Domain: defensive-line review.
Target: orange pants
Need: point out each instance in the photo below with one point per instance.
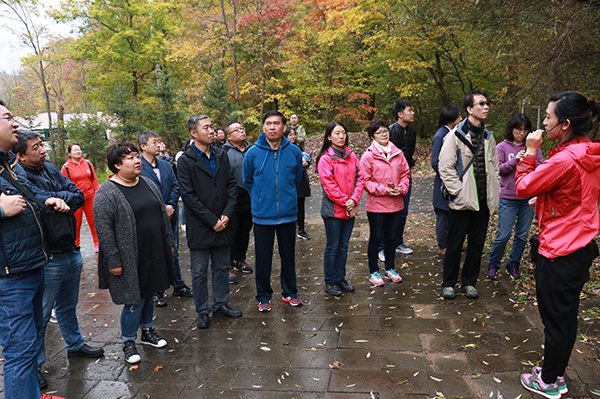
(88, 208)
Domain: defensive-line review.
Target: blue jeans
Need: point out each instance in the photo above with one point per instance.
(134, 317)
(508, 211)
(219, 257)
(338, 233)
(20, 320)
(61, 291)
(442, 218)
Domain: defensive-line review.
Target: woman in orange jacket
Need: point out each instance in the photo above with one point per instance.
(82, 173)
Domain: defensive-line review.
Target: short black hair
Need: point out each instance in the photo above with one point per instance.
(24, 136)
(374, 125)
(2, 103)
(274, 113)
(468, 100)
(516, 122)
(116, 152)
(449, 114)
(400, 106)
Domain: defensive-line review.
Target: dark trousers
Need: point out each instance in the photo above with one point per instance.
(241, 224)
(338, 233)
(399, 233)
(264, 237)
(559, 282)
(441, 227)
(460, 225)
(382, 227)
(301, 211)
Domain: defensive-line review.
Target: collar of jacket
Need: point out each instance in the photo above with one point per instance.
(462, 129)
(333, 155)
(377, 154)
(199, 162)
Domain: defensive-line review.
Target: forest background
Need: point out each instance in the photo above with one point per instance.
(150, 64)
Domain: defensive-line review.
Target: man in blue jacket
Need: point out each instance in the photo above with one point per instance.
(22, 261)
(63, 271)
(162, 174)
(272, 172)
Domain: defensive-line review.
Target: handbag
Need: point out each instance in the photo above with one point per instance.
(445, 193)
(57, 225)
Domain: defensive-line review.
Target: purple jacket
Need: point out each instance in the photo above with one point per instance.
(507, 151)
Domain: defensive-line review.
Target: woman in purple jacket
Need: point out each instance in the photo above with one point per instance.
(512, 207)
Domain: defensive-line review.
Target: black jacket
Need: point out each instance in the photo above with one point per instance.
(50, 182)
(404, 139)
(206, 197)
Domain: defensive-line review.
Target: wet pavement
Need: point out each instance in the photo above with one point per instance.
(396, 341)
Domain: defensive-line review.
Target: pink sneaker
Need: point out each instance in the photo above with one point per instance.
(392, 275)
(376, 279)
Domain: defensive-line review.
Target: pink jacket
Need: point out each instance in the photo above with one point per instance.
(567, 186)
(378, 173)
(342, 180)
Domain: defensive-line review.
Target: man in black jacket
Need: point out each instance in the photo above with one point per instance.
(63, 271)
(208, 189)
(405, 138)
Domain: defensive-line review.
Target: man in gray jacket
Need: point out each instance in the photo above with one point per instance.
(474, 197)
(241, 220)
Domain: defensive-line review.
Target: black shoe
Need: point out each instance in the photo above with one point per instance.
(226, 311)
(303, 236)
(150, 337)
(159, 299)
(183, 290)
(86, 351)
(131, 353)
(333, 289)
(345, 286)
(42, 380)
(203, 321)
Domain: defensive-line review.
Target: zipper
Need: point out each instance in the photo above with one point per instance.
(276, 188)
(40, 227)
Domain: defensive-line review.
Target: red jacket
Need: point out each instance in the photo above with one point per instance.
(342, 180)
(567, 186)
(83, 175)
(378, 173)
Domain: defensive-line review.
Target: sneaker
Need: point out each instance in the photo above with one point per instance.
(393, 275)
(131, 353)
(560, 381)
(158, 298)
(535, 384)
(469, 291)
(183, 290)
(513, 269)
(448, 293)
(381, 256)
(404, 250)
(333, 289)
(183, 227)
(53, 316)
(264, 306)
(303, 236)
(345, 286)
(376, 279)
(241, 266)
(292, 300)
(150, 337)
(46, 396)
(232, 276)
(493, 270)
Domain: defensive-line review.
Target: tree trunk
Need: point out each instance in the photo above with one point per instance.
(47, 96)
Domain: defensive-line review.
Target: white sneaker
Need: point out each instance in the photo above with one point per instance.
(404, 250)
(53, 317)
(381, 256)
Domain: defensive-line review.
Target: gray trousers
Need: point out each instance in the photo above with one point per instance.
(219, 257)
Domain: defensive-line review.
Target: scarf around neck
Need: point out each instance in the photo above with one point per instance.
(385, 151)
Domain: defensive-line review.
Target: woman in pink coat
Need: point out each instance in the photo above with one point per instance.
(342, 180)
(387, 178)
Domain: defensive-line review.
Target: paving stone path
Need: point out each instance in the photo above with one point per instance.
(397, 341)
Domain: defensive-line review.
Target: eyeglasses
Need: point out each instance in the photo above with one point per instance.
(8, 117)
(380, 131)
(238, 130)
(482, 103)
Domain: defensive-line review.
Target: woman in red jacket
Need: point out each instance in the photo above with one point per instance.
(82, 173)
(567, 186)
(343, 183)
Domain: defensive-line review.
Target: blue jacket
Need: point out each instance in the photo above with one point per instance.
(53, 184)
(169, 189)
(272, 178)
(21, 236)
(436, 145)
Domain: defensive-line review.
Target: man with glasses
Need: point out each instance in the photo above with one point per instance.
(473, 197)
(241, 221)
(161, 173)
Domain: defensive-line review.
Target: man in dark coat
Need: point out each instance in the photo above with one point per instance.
(162, 174)
(208, 189)
(63, 271)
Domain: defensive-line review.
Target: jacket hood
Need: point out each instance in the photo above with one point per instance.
(377, 154)
(264, 144)
(229, 145)
(586, 154)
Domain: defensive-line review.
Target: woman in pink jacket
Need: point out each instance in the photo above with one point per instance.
(82, 173)
(387, 178)
(342, 180)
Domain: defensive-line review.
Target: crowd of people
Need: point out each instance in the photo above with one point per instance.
(229, 188)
